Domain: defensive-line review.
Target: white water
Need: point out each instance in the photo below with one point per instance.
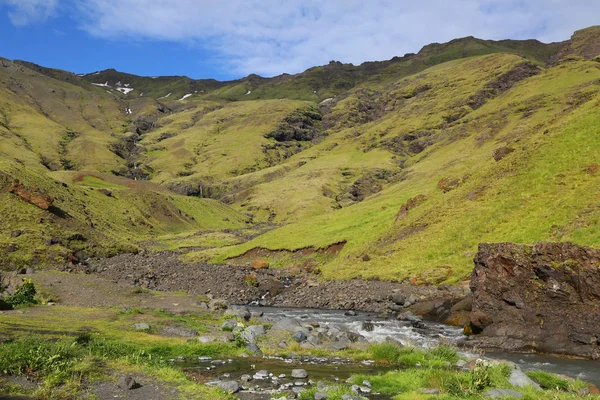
(432, 334)
(402, 331)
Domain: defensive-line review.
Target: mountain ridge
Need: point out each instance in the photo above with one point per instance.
(287, 168)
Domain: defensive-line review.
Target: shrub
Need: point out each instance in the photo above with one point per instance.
(24, 296)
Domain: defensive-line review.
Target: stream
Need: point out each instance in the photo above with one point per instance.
(425, 334)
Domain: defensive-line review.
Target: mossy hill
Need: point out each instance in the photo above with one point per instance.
(475, 140)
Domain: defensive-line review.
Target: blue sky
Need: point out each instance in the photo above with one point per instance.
(231, 39)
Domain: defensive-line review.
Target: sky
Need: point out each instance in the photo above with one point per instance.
(234, 38)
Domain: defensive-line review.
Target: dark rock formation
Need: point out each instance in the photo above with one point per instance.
(542, 298)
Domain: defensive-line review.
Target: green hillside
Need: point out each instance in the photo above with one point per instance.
(410, 162)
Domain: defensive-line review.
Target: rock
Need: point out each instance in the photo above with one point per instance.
(245, 378)
(501, 394)
(204, 359)
(206, 339)
(262, 374)
(350, 313)
(252, 348)
(16, 233)
(320, 396)
(229, 325)
(409, 205)
(413, 299)
(202, 305)
(337, 346)
(430, 391)
(368, 326)
(229, 386)
(299, 374)
(257, 330)
(38, 199)
(240, 312)
(519, 379)
(543, 298)
(409, 316)
(178, 331)
(286, 324)
(141, 326)
(398, 299)
(314, 340)
(106, 192)
(299, 336)
(127, 383)
(460, 364)
(366, 257)
(502, 152)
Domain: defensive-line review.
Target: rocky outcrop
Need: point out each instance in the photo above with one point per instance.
(41, 200)
(542, 298)
(409, 205)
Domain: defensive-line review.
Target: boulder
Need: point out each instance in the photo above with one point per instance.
(141, 326)
(299, 374)
(38, 199)
(299, 336)
(286, 324)
(543, 298)
(518, 379)
(242, 312)
(127, 383)
(229, 386)
(229, 325)
(178, 331)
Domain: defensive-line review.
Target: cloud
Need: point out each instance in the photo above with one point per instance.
(26, 12)
(270, 37)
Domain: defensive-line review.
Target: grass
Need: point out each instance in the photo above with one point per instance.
(346, 186)
(96, 182)
(540, 192)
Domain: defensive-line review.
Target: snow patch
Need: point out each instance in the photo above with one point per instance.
(118, 83)
(185, 97)
(124, 90)
(165, 96)
(102, 84)
(249, 91)
(327, 100)
(314, 91)
(126, 85)
(128, 111)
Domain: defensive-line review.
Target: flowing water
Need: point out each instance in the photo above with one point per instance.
(427, 334)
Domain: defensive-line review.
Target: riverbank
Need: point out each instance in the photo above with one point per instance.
(135, 332)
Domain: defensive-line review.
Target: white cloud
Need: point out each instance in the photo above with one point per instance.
(270, 37)
(26, 12)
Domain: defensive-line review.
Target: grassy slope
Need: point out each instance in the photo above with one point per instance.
(212, 144)
(539, 192)
(60, 120)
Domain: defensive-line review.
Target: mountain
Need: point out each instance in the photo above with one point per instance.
(404, 165)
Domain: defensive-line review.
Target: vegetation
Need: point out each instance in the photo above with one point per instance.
(23, 296)
(484, 130)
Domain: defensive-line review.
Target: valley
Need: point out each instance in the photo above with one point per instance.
(173, 203)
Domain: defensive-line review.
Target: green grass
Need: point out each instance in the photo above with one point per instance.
(539, 192)
(96, 182)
